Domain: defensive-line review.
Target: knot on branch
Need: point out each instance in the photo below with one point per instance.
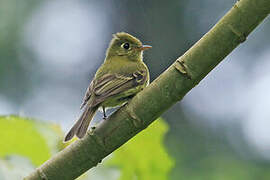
(98, 140)
(241, 36)
(181, 67)
(136, 121)
(42, 175)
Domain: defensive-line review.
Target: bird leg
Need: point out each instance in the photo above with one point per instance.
(104, 113)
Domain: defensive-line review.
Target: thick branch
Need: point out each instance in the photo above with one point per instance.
(166, 90)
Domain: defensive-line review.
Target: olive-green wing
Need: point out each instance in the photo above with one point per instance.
(102, 81)
(112, 84)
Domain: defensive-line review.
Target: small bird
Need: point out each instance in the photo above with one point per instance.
(121, 76)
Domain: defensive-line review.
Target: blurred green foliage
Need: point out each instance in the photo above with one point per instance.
(144, 157)
(28, 138)
(27, 143)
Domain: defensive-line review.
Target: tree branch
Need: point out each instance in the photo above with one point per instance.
(170, 87)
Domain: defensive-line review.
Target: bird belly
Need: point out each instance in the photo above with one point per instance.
(120, 99)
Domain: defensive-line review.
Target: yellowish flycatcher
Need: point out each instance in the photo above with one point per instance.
(122, 75)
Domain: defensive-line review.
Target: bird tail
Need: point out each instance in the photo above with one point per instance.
(80, 127)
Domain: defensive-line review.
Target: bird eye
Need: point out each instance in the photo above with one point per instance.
(125, 45)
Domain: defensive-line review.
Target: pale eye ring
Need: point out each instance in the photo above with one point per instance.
(125, 46)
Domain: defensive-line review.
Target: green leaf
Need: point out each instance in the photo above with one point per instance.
(144, 157)
(28, 138)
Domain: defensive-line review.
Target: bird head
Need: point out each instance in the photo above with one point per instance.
(124, 44)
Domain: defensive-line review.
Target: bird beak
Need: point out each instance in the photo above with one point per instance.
(144, 47)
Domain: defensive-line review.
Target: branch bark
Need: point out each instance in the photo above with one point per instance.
(170, 87)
